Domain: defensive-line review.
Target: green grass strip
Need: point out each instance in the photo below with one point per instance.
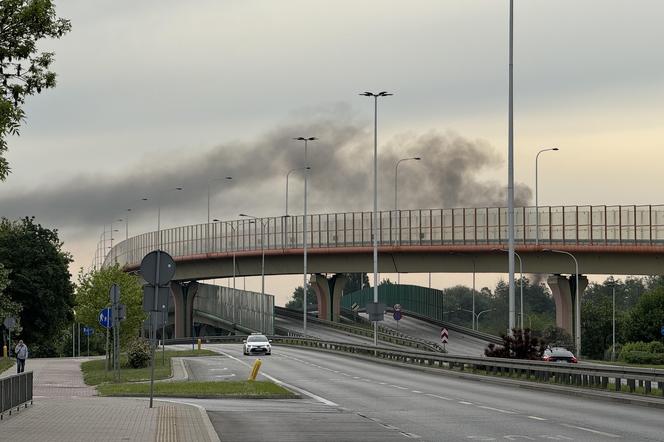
(208, 389)
(5, 363)
(95, 373)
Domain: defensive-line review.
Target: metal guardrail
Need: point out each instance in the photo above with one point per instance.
(391, 336)
(15, 390)
(560, 225)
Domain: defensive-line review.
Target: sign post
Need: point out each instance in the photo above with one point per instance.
(88, 331)
(105, 321)
(9, 323)
(444, 335)
(114, 295)
(157, 268)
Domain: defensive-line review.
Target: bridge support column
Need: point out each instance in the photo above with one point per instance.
(563, 289)
(329, 292)
(183, 297)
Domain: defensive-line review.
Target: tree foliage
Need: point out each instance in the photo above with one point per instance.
(645, 319)
(23, 69)
(8, 308)
(296, 301)
(356, 282)
(39, 281)
(92, 295)
(520, 345)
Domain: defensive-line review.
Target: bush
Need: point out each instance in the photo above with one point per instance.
(656, 347)
(138, 353)
(521, 345)
(557, 337)
(636, 346)
(642, 357)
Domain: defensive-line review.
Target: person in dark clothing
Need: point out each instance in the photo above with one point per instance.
(21, 352)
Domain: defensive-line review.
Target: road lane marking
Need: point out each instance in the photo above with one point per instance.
(277, 381)
(465, 403)
(536, 418)
(438, 397)
(416, 391)
(601, 433)
(496, 409)
(399, 387)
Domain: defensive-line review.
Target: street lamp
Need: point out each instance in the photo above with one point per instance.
(228, 178)
(396, 206)
(375, 201)
(476, 317)
(613, 320)
(287, 175)
(577, 301)
(304, 231)
(175, 189)
(510, 170)
(233, 232)
(521, 284)
(262, 221)
(537, 196)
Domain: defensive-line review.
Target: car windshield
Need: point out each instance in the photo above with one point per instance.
(256, 339)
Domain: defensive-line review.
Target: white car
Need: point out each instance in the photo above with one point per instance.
(257, 343)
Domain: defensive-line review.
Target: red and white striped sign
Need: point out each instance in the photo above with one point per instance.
(443, 336)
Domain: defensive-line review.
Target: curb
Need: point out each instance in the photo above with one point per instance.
(643, 401)
(209, 428)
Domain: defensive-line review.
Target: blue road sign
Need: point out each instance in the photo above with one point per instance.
(397, 315)
(88, 331)
(662, 330)
(105, 317)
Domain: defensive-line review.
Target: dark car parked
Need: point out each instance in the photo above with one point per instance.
(558, 354)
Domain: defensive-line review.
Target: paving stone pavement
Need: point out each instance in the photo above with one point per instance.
(65, 409)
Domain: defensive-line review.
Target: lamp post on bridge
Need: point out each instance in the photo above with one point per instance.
(233, 244)
(577, 302)
(262, 222)
(375, 201)
(207, 230)
(305, 283)
(396, 205)
(158, 198)
(537, 197)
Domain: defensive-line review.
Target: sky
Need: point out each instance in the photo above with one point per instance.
(163, 93)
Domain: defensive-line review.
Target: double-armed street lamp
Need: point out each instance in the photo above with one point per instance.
(304, 230)
(375, 200)
(521, 284)
(476, 317)
(396, 205)
(536, 193)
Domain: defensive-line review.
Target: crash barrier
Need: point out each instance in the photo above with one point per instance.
(15, 390)
(392, 337)
(592, 376)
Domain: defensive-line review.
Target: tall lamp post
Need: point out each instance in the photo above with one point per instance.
(175, 189)
(207, 227)
(233, 244)
(305, 284)
(262, 221)
(510, 169)
(577, 302)
(613, 321)
(396, 205)
(375, 201)
(520, 284)
(537, 196)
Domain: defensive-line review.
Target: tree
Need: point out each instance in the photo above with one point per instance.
(645, 319)
(296, 302)
(39, 282)
(356, 282)
(23, 69)
(8, 308)
(520, 345)
(385, 281)
(92, 295)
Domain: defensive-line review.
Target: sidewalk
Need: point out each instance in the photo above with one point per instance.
(65, 409)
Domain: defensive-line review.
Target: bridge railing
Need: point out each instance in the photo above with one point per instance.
(560, 225)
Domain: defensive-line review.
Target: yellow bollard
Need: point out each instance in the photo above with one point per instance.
(4, 351)
(254, 369)
(199, 343)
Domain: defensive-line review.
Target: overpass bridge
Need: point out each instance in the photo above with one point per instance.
(604, 239)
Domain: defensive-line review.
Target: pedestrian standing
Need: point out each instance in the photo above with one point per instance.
(21, 352)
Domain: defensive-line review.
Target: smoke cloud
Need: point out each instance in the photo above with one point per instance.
(341, 177)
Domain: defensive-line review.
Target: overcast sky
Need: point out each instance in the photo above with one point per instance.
(160, 93)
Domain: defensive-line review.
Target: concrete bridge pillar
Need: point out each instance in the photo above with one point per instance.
(563, 289)
(183, 300)
(329, 292)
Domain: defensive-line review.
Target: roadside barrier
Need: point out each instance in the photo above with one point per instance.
(15, 390)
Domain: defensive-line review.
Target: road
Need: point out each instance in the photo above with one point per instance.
(322, 332)
(397, 404)
(459, 343)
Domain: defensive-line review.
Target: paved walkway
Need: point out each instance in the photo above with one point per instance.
(65, 409)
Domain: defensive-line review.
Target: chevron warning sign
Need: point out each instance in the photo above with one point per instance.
(444, 336)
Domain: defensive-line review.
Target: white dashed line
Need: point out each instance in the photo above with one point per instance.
(601, 433)
(416, 391)
(536, 418)
(399, 387)
(465, 403)
(496, 409)
(438, 397)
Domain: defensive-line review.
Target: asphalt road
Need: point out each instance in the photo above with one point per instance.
(394, 403)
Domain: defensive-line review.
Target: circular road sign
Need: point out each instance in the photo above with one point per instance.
(149, 267)
(10, 322)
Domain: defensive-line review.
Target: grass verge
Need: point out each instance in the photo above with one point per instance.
(624, 364)
(5, 363)
(199, 389)
(95, 373)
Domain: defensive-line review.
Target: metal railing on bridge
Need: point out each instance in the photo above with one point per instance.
(560, 225)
